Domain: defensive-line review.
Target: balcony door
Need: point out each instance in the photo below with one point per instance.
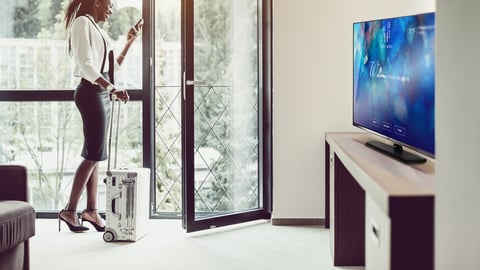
(225, 145)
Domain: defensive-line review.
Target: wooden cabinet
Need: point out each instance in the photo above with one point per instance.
(380, 211)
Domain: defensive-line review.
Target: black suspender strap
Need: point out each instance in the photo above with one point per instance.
(111, 68)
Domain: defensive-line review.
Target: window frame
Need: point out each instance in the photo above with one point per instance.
(147, 95)
(144, 96)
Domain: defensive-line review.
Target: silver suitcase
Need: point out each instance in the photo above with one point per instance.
(127, 204)
(127, 194)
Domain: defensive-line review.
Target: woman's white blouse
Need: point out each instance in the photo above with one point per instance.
(88, 49)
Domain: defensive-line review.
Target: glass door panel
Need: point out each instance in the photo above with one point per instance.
(168, 97)
(221, 107)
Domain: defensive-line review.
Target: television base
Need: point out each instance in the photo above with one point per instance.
(396, 151)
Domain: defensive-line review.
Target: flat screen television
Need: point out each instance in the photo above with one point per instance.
(394, 84)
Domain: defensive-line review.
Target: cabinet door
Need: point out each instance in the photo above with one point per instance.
(377, 237)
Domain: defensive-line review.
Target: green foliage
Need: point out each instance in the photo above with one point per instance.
(121, 21)
(211, 41)
(26, 24)
(47, 9)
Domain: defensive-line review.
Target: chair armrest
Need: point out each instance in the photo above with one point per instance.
(13, 182)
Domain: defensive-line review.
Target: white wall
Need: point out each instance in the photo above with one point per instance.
(457, 197)
(313, 91)
(312, 70)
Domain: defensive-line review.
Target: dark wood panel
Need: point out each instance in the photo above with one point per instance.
(327, 185)
(349, 215)
(412, 233)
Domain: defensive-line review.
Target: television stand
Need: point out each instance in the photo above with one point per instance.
(380, 212)
(396, 151)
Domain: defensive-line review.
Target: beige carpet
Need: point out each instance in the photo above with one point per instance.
(251, 246)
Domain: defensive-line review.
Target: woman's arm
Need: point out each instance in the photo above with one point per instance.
(131, 36)
(119, 93)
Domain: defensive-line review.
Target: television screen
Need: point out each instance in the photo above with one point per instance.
(394, 80)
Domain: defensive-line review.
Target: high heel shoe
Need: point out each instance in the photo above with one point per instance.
(72, 227)
(97, 226)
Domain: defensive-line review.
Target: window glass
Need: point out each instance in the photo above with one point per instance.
(168, 97)
(33, 45)
(46, 137)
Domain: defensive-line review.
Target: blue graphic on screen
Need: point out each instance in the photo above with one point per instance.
(394, 79)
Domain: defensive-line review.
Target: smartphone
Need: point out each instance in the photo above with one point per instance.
(137, 25)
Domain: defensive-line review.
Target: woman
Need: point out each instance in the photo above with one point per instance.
(89, 45)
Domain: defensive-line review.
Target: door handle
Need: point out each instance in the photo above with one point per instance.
(190, 82)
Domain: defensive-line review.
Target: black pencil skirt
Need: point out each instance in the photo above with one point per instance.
(93, 102)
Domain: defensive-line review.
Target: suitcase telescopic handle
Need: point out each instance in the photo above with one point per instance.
(111, 74)
(114, 98)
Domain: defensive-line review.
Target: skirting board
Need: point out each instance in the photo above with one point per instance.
(298, 221)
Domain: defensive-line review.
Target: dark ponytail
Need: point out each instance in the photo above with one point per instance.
(75, 9)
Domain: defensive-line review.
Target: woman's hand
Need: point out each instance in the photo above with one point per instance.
(134, 31)
(131, 36)
(121, 94)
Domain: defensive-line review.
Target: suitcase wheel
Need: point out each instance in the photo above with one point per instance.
(108, 236)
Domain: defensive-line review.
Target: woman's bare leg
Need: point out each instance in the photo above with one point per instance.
(91, 212)
(92, 184)
(83, 175)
